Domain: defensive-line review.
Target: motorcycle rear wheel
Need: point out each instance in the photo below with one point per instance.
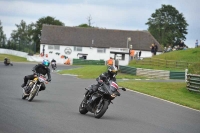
(100, 111)
(82, 108)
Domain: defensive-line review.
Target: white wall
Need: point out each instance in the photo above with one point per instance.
(35, 58)
(92, 53)
(13, 52)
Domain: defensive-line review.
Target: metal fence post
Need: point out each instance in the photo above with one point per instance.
(186, 71)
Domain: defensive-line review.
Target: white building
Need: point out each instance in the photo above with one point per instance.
(94, 43)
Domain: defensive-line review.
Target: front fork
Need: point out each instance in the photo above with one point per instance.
(38, 88)
(100, 102)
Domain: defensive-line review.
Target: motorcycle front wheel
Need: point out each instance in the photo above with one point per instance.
(101, 109)
(82, 108)
(32, 93)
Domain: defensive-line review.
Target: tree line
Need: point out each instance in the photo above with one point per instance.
(166, 24)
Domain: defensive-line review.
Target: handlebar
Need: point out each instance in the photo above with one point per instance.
(124, 89)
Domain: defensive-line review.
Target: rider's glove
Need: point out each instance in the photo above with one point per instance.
(48, 80)
(100, 81)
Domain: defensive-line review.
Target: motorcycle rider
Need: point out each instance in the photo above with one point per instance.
(104, 77)
(53, 62)
(39, 69)
(5, 60)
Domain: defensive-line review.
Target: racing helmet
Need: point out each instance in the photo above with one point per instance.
(45, 63)
(112, 71)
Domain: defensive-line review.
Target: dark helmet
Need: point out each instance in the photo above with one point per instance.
(45, 63)
(112, 71)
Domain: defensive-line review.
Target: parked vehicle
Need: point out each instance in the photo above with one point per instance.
(99, 101)
(32, 87)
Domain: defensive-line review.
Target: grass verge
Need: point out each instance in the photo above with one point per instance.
(93, 71)
(172, 91)
(13, 58)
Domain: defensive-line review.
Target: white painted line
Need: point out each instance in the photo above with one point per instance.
(69, 74)
(163, 100)
(125, 79)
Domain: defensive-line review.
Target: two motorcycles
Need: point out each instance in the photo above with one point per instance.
(32, 87)
(99, 101)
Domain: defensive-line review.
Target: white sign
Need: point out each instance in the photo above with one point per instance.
(68, 50)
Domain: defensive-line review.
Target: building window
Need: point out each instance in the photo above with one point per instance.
(101, 50)
(54, 47)
(120, 56)
(77, 48)
(50, 46)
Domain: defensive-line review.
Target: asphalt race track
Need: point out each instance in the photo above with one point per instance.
(55, 110)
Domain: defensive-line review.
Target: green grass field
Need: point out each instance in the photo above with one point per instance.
(174, 92)
(93, 71)
(190, 55)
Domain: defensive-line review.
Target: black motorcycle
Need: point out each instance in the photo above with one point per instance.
(53, 65)
(99, 101)
(7, 62)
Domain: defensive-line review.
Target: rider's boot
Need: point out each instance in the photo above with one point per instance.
(24, 89)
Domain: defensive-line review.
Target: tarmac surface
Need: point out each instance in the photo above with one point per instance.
(55, 110)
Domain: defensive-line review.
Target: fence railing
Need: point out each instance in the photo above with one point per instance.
(150, 73)
(88, 62)
(164, 63)
(128, 70)
(193, 82)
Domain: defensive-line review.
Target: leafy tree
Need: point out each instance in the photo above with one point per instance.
(21, 39)
(167, 25)
(38, 27)
(2, 37)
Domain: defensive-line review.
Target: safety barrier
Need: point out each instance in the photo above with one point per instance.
(150, 73)
(193, 82)
(128, 70)
(177, 75)
(88, 62)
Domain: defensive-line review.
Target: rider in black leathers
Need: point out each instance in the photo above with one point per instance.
(39, 69)
(104, 77)
(6, 61)
(54, 62)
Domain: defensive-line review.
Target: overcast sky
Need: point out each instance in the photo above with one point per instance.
(109, 14)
